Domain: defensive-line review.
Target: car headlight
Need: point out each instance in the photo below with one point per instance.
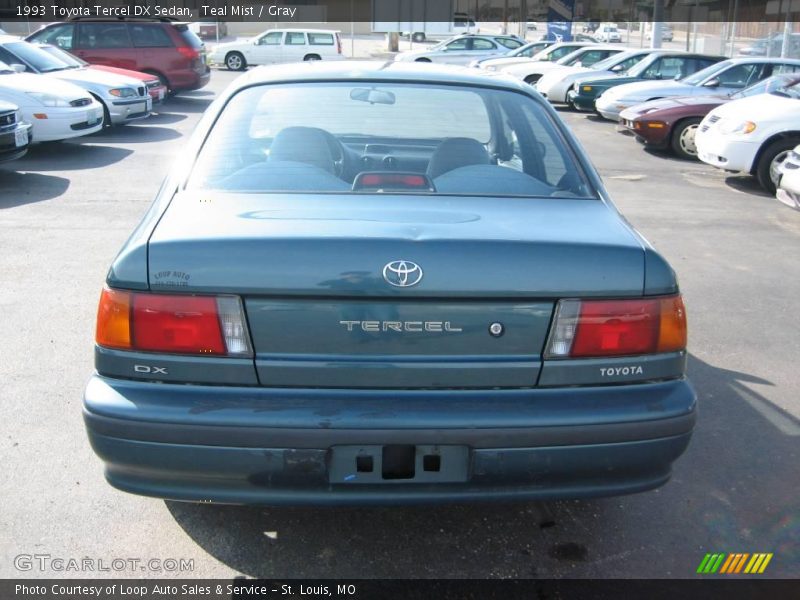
(734, 127)
(49, 99)
(123, 92)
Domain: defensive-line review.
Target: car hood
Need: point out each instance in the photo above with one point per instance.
(124, 72)
(502, 63)
(647, 89)
(611, 79)
(7, 106)
(761, 108)
(682, 106)
(27, 82)
(91, 77)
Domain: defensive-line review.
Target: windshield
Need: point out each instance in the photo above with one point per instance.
(572, 57)
(527, 50)
(73, 61)
(36, 58)
(415, 138)
(769, 85)
(703, 74)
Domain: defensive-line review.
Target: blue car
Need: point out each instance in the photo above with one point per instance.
(386, 283)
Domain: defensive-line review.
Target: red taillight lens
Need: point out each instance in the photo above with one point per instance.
(180, 324)
(596, 328)
(175, 324)
(188, 52)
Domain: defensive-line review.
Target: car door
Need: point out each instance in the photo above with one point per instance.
(483, 48)
(455, 52)
(154, 46)
(267, 49)
(106, 43)
(665, 67)
(737, 77)
(295, 46)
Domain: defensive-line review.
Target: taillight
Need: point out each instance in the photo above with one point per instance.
(597, 328)
(188, 52)
(174, 324)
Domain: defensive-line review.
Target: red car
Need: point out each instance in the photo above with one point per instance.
(161, 47)
(671, 123)
(155, 88)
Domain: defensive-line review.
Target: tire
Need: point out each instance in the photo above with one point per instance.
(418, 37)
(568, 101)
(310, 57)
(427, 60)
(682, 139)
(106, 115)
(235, 61)
(771, 158)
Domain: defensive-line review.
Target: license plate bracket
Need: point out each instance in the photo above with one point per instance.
(398, 463)
(21, 137)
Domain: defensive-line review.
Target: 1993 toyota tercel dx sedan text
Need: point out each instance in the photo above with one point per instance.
(386, 283)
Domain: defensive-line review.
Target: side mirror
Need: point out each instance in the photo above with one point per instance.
(712, 83)
(616, 69)
(18, 68)
(678, 76)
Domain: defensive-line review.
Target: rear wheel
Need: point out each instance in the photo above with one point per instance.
(770, 161)
(235, 61)
(308, 57)
(568, 100)
(682, 141)
(418, 37)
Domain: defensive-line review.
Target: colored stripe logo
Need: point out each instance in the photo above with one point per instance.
(734, 563)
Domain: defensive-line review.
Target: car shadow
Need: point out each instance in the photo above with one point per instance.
(136, 134)
(70, 156)
(738, 475)
(162, 116)
(17, 189)
(746, 184)
(185, 103)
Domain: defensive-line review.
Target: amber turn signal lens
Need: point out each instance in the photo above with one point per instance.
(114, 319)
(672, 333)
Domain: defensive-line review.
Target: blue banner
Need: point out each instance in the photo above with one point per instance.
(559, 20)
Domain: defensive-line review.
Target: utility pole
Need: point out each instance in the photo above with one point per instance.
(658, 18)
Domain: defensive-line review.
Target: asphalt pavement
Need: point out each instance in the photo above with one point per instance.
(66, 209)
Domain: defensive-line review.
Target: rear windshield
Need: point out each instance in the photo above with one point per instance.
(415, 138)
(190, 37)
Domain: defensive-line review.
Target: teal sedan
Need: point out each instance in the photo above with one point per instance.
(386, 283)
(657, 66)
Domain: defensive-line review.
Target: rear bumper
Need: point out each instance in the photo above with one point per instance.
(278, 446)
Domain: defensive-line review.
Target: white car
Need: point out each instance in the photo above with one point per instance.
(523, 52)
(124, 99)
(551, 53)
(721, 78)
(789, 187)
(586, 56)
(753, 135)
(463, 49)
(607, 32)
(555, 85)
(278, 46)
(58, 110)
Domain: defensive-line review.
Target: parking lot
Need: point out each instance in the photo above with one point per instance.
(66, 208)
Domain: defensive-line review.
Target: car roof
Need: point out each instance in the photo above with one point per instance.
(755, 59)
(384, 71)
(301, 30)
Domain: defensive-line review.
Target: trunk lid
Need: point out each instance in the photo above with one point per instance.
(310, 270)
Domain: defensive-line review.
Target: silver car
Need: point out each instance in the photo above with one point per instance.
(722, 78)
(124, 99)
(463, 49)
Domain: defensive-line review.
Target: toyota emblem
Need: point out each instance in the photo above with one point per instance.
(402, 273)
